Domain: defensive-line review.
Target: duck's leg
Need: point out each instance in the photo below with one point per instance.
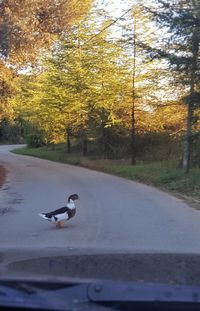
(60, 224)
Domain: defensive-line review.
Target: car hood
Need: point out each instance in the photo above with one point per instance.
(156, 267)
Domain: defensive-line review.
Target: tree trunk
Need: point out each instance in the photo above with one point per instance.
(188, 136)
(68, 141)
(104, 142)
(187, 142)
(52, 146)
(133, 147)
(84, 147)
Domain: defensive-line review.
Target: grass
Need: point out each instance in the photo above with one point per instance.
(166, 175)
(46, 153)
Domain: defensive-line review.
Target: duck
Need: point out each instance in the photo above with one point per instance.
(62, 214)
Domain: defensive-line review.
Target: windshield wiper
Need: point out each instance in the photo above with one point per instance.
(97, 296)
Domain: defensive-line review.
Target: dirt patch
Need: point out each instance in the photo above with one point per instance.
(2, 175)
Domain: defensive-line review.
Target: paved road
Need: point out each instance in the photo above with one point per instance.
(113, 213)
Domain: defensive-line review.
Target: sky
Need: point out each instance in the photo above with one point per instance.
(116, 7)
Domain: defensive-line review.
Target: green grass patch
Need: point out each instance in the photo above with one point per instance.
(165, 175)
(162, 175)
(48, 154)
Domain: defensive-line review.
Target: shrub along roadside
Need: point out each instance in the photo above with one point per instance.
(164, 175)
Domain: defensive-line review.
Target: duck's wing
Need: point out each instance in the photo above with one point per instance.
(63, 213)
(61, 210)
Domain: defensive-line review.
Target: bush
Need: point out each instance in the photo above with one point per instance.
(10, 132)
(34, 141)
(195, 152)
(158, 147)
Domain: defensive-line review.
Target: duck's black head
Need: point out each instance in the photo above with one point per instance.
(73, 197)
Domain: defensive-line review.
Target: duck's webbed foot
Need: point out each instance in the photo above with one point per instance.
(60, 224)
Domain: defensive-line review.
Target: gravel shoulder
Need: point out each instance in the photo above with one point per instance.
(2, 175)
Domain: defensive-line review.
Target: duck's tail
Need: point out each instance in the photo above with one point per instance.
(44, 216)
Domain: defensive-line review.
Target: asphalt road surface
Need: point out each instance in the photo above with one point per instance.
(113, 213)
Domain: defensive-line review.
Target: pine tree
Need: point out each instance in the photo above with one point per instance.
(139, 74)
(77, 89)
(181, 49)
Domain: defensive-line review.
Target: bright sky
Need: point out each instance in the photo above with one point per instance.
(116, 7)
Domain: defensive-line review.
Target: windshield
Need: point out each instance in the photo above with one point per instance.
(100, 139)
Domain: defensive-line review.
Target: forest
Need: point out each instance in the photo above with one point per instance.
(105, 86)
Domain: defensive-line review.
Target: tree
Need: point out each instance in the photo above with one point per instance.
(26, 26)
(8, 89)
(77, 89)
(100, 88)
(139, 73)
(181, 49)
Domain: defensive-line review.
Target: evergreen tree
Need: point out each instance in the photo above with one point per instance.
(181, 48)
(141, 76)
(77, 90)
